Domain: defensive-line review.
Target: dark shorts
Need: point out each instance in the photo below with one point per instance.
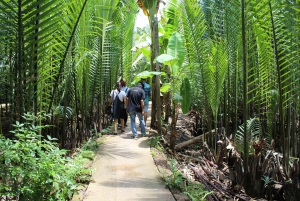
(123, 114)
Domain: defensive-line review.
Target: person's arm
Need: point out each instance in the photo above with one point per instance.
(126, 101)
(111, 98)
(142, 106)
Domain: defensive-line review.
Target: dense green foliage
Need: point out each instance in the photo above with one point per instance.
(63, 57)
(241, 59)
(35, 169)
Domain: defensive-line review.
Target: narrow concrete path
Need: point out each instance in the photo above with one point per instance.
(124, 170)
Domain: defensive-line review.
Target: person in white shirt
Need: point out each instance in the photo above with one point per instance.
(125, 89)
(118, 101)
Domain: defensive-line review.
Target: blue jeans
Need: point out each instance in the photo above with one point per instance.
(146, 106)
(133, 126)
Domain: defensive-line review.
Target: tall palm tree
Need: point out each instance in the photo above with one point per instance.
(57, 54)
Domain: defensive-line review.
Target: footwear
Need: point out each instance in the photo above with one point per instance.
(119, 126)
(143, 135)
(115, 133)
(136, 137)
(122, 131)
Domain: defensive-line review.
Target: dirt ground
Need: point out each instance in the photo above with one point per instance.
(162, 161)
(196, 163)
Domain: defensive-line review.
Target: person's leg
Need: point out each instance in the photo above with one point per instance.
(115, 126)
(125, 118)
(119, 122)
(122, 125)
(142, 123)
(133, 127)
(122, 116)
(146, 106)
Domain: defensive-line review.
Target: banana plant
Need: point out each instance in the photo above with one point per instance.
(145, 75)
(174, 58)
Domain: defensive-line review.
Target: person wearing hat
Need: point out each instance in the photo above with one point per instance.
(135, 107)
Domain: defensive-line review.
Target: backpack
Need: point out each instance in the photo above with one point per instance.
(147, 90)
(117, 106)
(126, 90)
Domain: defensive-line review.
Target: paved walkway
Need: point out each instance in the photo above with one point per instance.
(124, 170)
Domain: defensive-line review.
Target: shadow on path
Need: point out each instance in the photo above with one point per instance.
(123, 170)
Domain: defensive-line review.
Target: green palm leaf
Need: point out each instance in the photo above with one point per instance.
(254, 133)
(185, 92)
(194, 28)
(214, 75)
(28, 28)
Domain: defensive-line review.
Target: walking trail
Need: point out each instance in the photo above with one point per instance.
(123, 170)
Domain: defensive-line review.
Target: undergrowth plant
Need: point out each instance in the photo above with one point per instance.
(34, 168)
(196, 192)
(91, 146)
(155, 142)
(106, 131)
(174, 180)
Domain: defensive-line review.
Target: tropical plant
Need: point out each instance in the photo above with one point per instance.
(174, 59)
(62, 57)
(155, 142)
(267, 181)
(196, 191)
(175, 179)
(145, 75)
(36, 168)
(150, 9)
(254, 132)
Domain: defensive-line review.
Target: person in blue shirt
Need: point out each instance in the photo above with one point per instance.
(135, 107)
(147, 89)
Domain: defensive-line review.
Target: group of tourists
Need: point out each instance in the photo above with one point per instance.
(133, 101)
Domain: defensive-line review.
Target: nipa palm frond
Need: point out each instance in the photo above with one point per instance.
(254, 133)
(215, 73)
(194, 29)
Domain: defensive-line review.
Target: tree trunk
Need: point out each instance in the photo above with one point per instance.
(173, 129)
(157, 80)
(167, 100)
(156, 106)
(247, 185)
(193, 140)
(35, 67)
(19, 64)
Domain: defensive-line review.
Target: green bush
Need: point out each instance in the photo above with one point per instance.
(107, 130)
(175, 179)
(91, 146)
(87, 154)
(196, 192)
(155, 142)
(35, 169)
